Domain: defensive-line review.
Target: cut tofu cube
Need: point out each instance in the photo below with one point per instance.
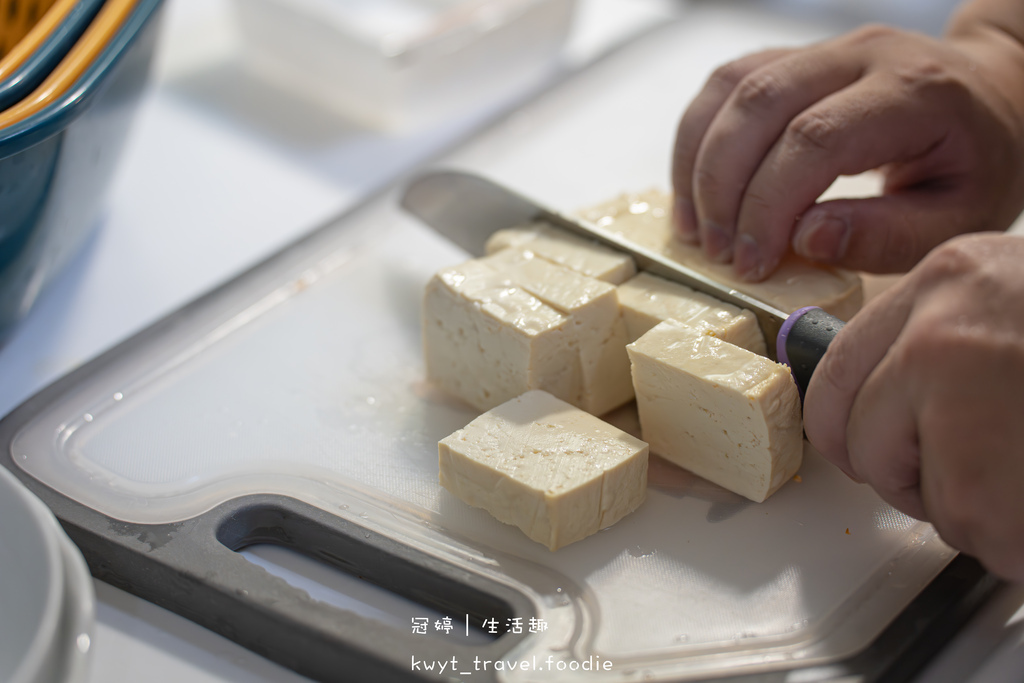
(566, 249)
(496, 327)
(645, 220)
(552, 470)
(647, 300)
(717, 410)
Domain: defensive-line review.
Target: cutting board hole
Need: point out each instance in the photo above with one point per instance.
(343, 564)
(338, 588)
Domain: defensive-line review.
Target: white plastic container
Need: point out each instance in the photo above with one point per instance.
(403, 64)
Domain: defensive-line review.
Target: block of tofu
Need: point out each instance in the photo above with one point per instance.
(498, 326)
(645, 220)
(552, 470)
(566, 249)
(718, 410)
(647, 300)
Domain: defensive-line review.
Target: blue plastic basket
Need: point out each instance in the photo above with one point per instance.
(37, 66)
(56, 164)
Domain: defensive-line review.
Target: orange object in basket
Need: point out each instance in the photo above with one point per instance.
(17, 42)
(17, 17)
(74, 64)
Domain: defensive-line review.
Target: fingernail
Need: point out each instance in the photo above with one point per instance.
(717, 243)
(747, 260)
(822, 238)
(685, 220)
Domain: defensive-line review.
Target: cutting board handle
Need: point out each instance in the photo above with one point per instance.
(193, 569)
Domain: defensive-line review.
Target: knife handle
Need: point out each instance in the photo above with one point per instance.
(803, 339)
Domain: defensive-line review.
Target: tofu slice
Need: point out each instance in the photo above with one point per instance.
(718, 410)
(647, 300)
(566, 249)
(496, 327)
(645, 220)
(549, 468)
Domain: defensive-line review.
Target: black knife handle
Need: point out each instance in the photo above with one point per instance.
(803, 340)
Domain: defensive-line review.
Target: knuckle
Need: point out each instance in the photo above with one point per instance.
(923, 70)
(813, 130)
(926, 76)
(871, 34)
(759, 91)
(728, 75)
(758, 203)
(920, 344)
(706, 183)
(952, 260)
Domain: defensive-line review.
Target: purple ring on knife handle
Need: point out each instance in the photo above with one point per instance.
(787, 326)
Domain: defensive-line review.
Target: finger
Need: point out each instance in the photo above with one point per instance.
(692, 126)
(882, 439)
(851, 357)
(849, 132)
(970, 443)
(887, 234)
(747, 126)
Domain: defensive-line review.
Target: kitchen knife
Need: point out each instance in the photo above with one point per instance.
(468, 209)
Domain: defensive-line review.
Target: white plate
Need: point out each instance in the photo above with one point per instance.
(31, 584)
(74, 641)
(46, 595)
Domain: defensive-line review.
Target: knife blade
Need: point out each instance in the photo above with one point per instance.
(467, 209)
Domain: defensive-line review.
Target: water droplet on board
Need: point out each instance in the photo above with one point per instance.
(641, 551)
(87, 417)
(83, 642)
(118, 395)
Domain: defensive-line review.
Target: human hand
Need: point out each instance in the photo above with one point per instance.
(921, 396)
(943, 121)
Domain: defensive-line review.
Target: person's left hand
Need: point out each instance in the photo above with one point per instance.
(942, 119)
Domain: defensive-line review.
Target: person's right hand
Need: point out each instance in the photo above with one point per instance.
(943, 120)
(921, 396)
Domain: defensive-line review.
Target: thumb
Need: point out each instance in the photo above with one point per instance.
(887, 234)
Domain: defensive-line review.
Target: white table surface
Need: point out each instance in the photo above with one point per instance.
(220, 171)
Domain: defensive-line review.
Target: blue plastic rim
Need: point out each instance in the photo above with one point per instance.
(56, 164)
(59, 114)
(37, 66)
